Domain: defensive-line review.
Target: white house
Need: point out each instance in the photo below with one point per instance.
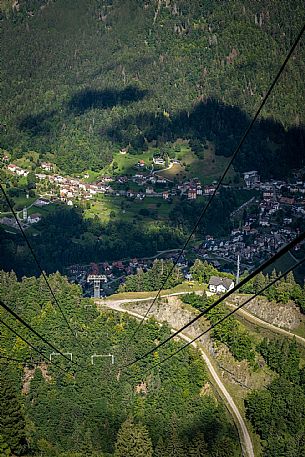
(34, 218)
(12, 167)
(47, 166)
(158, 161)
(42, 202)
(21, 172)
(40, 176)
(192, 194)
(251, 178)
(209, 190)
(220, 285)
(149, 190)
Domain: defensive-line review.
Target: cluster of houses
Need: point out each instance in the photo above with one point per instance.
(120, 268)
(25, 221)
(261, 233)
(15, 169)
(276, 195)
(250, 249)
(150, 185)
(114, 272)
(72, 188)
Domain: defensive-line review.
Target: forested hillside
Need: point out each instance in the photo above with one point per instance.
(82, 78)
(100, 410)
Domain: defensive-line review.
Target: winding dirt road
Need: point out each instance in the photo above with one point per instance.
(244, 436)
(242, 312)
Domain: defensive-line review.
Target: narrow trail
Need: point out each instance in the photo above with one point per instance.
(244, 436)
(256, 320)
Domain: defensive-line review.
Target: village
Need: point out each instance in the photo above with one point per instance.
(100, 280)
(267, 220)
(69, 189)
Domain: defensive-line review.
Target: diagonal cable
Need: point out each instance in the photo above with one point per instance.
(35, 258)
(262, 267)
(11, 359)
(228, 315)
(29, 327)
(28, 343)
(206, 207)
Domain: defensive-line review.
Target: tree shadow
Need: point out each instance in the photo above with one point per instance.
(43, 123)
(102, 99)
(37, 124)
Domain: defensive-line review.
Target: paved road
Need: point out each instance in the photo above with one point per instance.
(245, 439)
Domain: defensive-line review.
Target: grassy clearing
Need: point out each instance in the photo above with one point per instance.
(20, 202)
(43, 210)
(126, 163)
(210, 168)
(93, 176)
(129, 209)
(300, 330)
(184, 287)
(207, 169)
(176, 170)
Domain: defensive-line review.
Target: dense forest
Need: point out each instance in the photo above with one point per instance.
(98, 409)
(154, 278)
(278, 412)
(65, 237)
(81, 79)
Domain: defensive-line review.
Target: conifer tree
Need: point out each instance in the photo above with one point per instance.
(259, 282)
(133, 441)
(4, 448)
(175, 446)
(271, 291)
(160, 448)
(12, 423)
(290, 278)
(198, 447)
(224, 447)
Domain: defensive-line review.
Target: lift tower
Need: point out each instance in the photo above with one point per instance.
(97, 283)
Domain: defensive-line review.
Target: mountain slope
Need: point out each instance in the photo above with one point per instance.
(71, 70)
